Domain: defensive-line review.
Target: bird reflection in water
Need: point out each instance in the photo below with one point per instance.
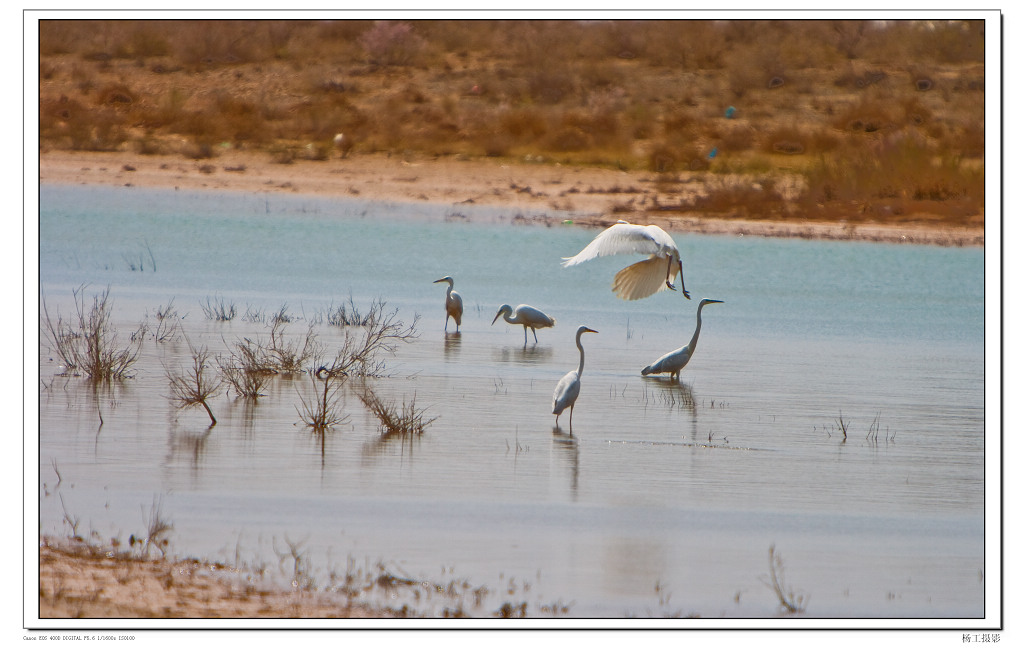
(566, 446)
(670, 393)
(525, 355)
(452, 343)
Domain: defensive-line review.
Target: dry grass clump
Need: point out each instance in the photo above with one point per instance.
(395, 420)
(246, 369)
(898, 172)
(219, 310)
(253, 362)
(347, 314)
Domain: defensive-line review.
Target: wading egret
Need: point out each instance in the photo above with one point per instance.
(530, 317)
(643, 278)
(568, 388)
(452, 304)
(672, 363)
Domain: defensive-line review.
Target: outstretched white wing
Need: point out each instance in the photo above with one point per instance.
(643, 278)
(626, 238)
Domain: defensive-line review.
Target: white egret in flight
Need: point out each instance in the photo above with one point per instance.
(568, 388)
(672, 363)
(452, 304)
(530, 317)
(643, 278)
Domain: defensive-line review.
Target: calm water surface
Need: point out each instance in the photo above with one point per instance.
(666, 498)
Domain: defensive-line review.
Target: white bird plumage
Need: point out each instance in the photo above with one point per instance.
(643, 278)
(530, 317)
(452, 304)
(672, 363)
(343, 144)
(568, 388)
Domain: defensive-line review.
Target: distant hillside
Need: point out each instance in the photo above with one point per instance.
(820, 119)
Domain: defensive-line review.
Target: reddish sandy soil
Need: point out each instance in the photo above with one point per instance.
(81, 582)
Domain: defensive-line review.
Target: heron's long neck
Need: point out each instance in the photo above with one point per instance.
(696, 332)
(579, 371)
(449, 294)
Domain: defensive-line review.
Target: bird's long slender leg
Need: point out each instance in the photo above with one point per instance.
(668, 275)
(525, 339)
(534, 335)
(682, 284)
(571, 408)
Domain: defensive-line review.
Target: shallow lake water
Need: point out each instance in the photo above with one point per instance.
(666, 498)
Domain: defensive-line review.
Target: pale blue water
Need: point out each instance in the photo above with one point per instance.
(681, 487)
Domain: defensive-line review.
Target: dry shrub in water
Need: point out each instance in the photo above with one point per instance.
(157, 529)
(247, 369)
(253, 363)
(88, 342)
(360, 354)
(346, 315)
(195, 386)
(323, 410)
(290, 356)
(219, 310)
(395, 420)
(790, 601)
(167, 323)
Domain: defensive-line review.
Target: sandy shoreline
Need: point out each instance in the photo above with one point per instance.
(82, 581)
(587, 195)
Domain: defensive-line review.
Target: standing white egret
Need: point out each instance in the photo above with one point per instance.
(526, 315)
(452, 304)
(643, 278)
(672, 363)
(568, 388)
